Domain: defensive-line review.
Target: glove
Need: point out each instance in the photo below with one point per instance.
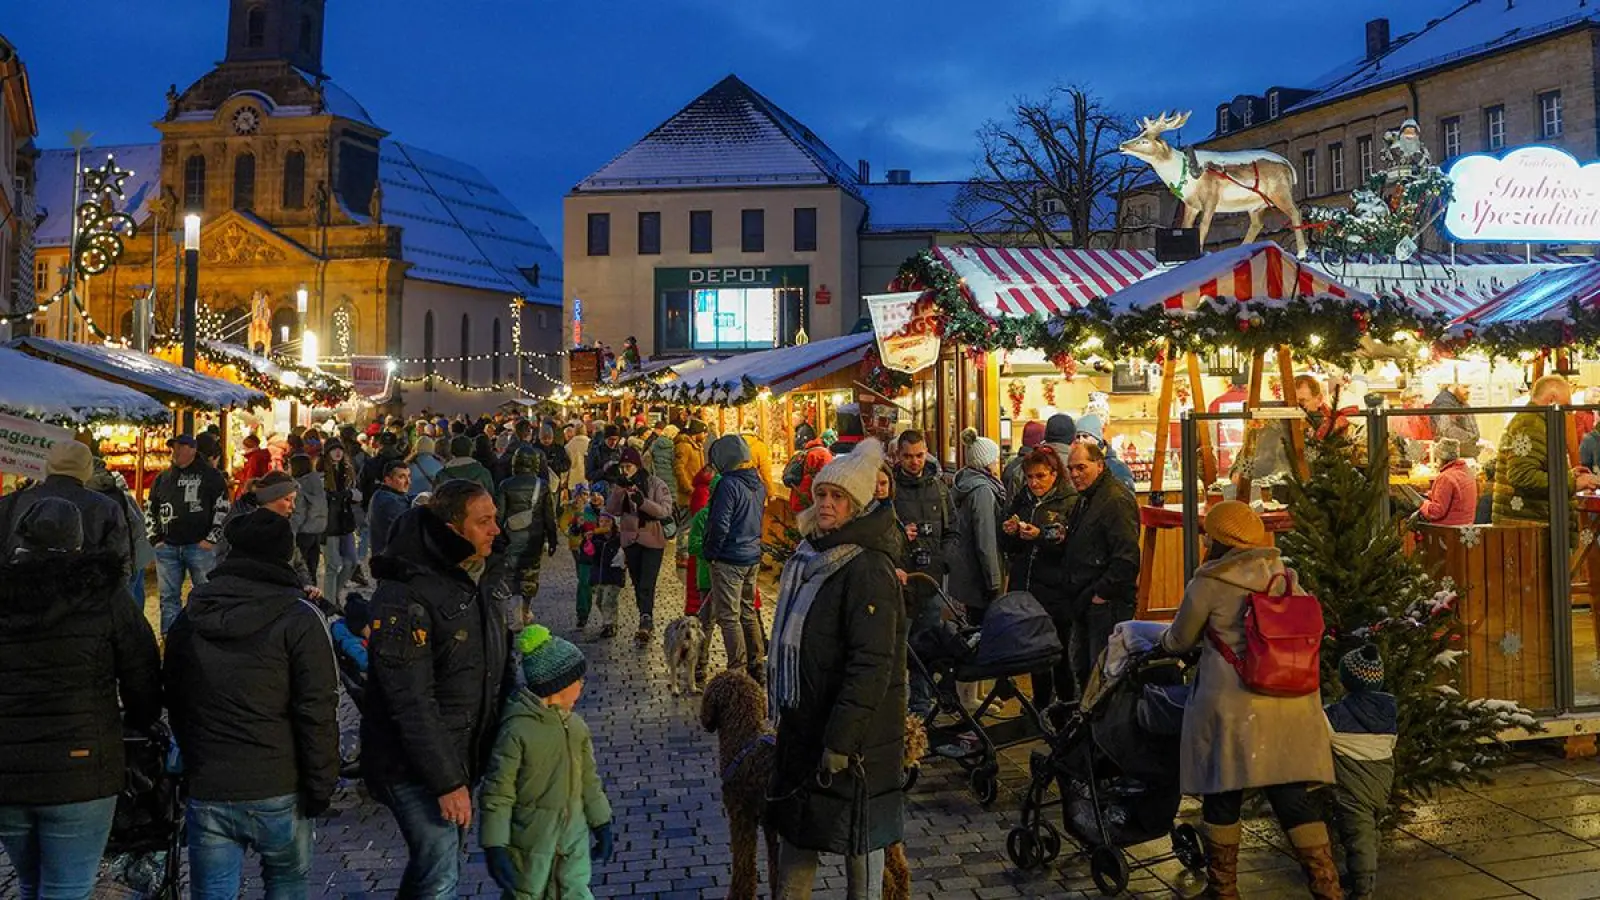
(602, 843)
(834, 763)
(500, 867)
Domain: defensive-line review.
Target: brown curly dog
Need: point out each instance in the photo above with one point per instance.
(735, 709)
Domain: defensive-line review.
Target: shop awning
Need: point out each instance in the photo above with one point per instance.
(1543, 297)
(1020, 281)
(736, 379)
(1452, 285)
(144, 373)
(1253, 272)
(279, 381)
(46, 392)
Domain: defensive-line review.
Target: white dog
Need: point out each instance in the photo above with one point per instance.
(683, 642)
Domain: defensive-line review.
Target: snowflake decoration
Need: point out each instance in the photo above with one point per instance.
(1442, 601)
(1516, 503)
(1470, 536)
(1521, 445)
(1511, 644)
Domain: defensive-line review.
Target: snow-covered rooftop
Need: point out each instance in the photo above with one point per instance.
(779, 370)
(55, 178)
(144, 373)
(47, 392)
(730, 135)
(946, 206)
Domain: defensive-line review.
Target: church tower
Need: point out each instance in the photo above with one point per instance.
(289, 30)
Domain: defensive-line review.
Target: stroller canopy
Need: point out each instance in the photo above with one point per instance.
(1017, 637)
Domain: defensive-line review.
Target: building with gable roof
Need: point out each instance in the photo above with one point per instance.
(405, 254)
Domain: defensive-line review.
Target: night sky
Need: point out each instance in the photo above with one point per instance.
(539, 93)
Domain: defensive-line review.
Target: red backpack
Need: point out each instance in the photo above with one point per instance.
(1282, 642)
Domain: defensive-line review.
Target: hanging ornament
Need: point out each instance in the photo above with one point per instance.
(1050, 385)
(1065, 361)
(1015, 392)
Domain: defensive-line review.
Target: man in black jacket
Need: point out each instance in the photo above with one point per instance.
(604, 455)
(922, 503)
(186, 507)
(521, 442)
(254, 698)
(1102, 556)
(556, 459)
(438, 674)
(69, 466)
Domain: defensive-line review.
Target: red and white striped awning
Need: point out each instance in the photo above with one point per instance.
(1021, 281)
(1451, 298)
(1254, 272)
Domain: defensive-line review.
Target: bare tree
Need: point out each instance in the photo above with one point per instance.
(1052, 176)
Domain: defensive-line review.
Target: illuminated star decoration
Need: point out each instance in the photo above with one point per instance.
(100, 234)
(107, 179)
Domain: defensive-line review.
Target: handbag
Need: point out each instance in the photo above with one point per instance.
(1282, 642)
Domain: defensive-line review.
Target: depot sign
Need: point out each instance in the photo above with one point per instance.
(1531, 195)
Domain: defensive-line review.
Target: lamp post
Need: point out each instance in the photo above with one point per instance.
(191, 299)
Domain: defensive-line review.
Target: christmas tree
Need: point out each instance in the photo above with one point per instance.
(1351, 556)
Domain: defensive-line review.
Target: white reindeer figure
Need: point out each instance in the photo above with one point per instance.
(1209, 182)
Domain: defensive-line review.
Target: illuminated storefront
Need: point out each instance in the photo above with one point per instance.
(730, 308)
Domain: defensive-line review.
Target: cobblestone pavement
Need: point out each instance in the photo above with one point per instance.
(1534, 832)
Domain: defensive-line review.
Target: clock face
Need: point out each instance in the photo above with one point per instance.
(246, 120)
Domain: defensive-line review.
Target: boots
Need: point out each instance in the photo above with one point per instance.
(1222, 861)
(1316, 860)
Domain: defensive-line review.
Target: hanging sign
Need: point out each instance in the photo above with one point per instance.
(25, 445)
(370, 374)
(1532, 195)
(906, 325)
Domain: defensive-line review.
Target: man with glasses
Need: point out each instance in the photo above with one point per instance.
(1102, 556)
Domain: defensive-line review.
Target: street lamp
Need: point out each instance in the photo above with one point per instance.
(191, 299)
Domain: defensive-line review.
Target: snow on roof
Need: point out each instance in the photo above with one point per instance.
(458, 228)
(55, 181)
(289, 378)
(46, 392)
(339, 102)
(779, 370)
(144, 373)
(728, 135)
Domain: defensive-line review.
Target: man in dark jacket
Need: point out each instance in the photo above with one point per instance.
(922, 503)
(556, 460)
(69, 466)
(733, 547)
(604, 455)
(184, 514)
(1102, 557)
(439, 672)
(528, 518)
(389, 502)
(372, 470)
(521, 442)
(254, 697)
(462, 465)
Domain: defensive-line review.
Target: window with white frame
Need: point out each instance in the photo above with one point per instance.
(1272, 105)
(1249, 113)
(1308, 172)
(1450, 136)
(1550, 114)
(1336, 165)
(1222, 120)
(1494, 127)
(1364, 155)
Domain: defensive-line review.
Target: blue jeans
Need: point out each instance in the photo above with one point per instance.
(221, 830)
(433, 846)
(172, 562)
(338, 562)
(56, 849)
(136, 589)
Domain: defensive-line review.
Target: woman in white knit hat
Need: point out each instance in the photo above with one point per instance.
(836, 684)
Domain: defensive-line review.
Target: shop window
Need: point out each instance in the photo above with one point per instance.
(649, 234)
(700, 231)
(753, 231)
(730, 318)
(805, 229)
(194, 183)
(294, 180)
(599, 234)
(244, 181)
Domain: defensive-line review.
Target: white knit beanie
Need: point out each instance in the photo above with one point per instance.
(855, 473)
(981, 452)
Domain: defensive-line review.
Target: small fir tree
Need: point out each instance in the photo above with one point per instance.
(1353, 559)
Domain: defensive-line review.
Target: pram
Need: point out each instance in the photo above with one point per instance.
(1016, 638)
(1115, 762)
(142, 853)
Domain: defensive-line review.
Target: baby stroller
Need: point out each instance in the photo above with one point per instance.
(1017, 638)
(1115, 762)
(143, 851)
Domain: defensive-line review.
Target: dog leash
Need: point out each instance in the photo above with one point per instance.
(770, 740)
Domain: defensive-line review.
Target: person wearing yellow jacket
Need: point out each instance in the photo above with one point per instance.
(760, 456)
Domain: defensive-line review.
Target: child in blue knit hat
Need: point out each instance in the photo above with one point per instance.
(546, 819)
(1365, 728)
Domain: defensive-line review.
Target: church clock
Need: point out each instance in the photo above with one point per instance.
(246, 120)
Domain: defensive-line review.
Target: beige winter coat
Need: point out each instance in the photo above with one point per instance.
(1234, 738)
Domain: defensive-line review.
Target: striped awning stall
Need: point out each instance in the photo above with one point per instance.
(1254, 272)
(1448, 297)
(1020, 281)
(1542, 297)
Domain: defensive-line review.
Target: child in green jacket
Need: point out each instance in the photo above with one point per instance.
(545, 815)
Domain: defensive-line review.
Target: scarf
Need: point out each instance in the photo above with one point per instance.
(803, 576)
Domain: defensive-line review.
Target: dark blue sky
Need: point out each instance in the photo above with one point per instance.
(539, 93)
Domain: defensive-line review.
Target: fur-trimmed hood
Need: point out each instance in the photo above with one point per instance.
(37, 593)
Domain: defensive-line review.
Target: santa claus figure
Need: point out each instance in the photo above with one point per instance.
(1405, 153)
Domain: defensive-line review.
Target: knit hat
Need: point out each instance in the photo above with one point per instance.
(549, 663)
(261, 535)
(669, 432)
(694, 426)
(528, 461)
(71, 459)
(1235, 524)
(356, 609)
(855, 473)
(274, 486)
(460, 445)
(51, 527)
(1060, 429)
(981, 452)
(424, 445)
(632, 455)
(1092, 426)
(612, 431)
(1446, 450)
(848, 415)
(599, 487)
(1032, 434)
(728, 452)
(636, 443)
(1361, 669)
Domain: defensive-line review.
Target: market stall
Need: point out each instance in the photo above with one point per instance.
(300, 394)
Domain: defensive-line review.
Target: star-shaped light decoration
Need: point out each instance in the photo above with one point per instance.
(107, 179)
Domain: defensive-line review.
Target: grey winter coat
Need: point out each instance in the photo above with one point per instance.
(1451, 424)
(976, 566)
(660, 456)
(1234, 738)
(311, 507)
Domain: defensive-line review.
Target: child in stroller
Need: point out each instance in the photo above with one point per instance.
(1115, 766)
(143, 851)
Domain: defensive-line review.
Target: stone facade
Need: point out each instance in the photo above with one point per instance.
(17, 155)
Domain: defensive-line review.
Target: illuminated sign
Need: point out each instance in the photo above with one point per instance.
(1531, 195)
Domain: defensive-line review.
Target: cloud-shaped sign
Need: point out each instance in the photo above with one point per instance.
(1531, 195)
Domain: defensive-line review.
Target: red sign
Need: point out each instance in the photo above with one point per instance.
(370, 374)
(824, 296)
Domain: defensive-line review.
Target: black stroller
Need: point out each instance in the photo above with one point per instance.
(143, 851)
(1115, 762)
(1017, 638)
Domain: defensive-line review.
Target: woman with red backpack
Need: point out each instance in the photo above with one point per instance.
(1241, 729)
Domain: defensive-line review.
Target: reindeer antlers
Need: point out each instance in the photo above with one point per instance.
(1164, 122)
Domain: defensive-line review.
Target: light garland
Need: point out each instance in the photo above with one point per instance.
(468, 388)
(478, 357)
(342, 337)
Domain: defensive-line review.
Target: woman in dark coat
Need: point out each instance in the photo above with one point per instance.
(71, 643)
(344, 502)
(1033, 538)
(836, 684)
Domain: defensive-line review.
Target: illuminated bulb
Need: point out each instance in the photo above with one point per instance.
(1316, 340)
(1424, 353)
(1090, 342)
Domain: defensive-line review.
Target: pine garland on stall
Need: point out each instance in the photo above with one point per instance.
(1385, 218)
(1352, 558)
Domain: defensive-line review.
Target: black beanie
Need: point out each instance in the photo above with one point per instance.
(52, 526)
(460, 445)
(261, 535)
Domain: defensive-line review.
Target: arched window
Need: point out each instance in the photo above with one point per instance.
(285, 328)
(255, 27)
(244, 181)
(494, 367)
(294, 180)
(466, 343)
(427, 350)
(194, 183)
(307, 32)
